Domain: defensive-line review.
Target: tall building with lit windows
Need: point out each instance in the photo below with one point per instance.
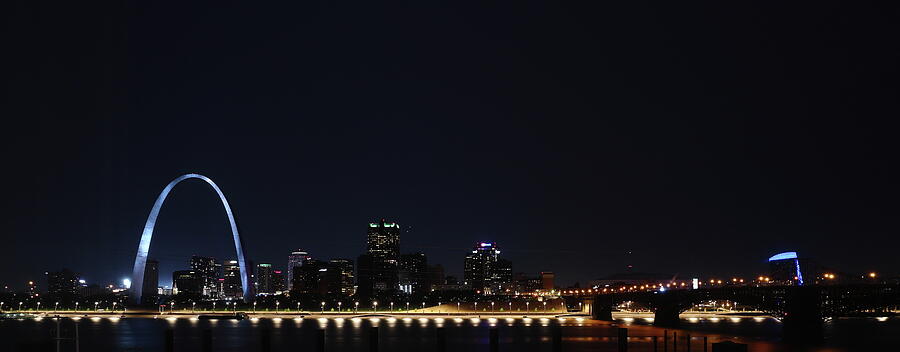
(207, 269)
(295, 260)
(484, 270)
(265, 279)
(378, 268)
(383, 241)
(232, 287)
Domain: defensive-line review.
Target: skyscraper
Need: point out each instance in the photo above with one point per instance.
(278, 281)
(62, 284)
(206, 268)
(414, 273)
(484, 270)
(310, 278)
(340, 277)
(296, 259)
(231, 285)
(377, 270)
(383, 241)
(187, 282)
(265, 279)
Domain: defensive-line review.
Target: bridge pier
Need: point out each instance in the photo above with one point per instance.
(802, 321)
(602, 308)
(667, 316)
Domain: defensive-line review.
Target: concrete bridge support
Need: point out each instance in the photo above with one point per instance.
(802, 316)
(602, 307)
(667, 316)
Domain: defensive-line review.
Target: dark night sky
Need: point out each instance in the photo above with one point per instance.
(704, 138)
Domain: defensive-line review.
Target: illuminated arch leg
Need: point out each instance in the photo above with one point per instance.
(140, 261)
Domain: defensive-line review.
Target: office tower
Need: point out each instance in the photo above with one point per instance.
(265, 279)
(413, 274)
(187, 282)
(340, 277)
(296, 259)
(383, 241)
(547, 279)
(435, 276)
(62, 285)
(377, 270)
(484, 270)
(151, 282)
(310, 278)
(278, 281)
(207, 271)
(232, 287)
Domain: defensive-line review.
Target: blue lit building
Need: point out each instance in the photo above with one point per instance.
(784, 268)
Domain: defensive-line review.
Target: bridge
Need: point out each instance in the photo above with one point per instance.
(800, 308)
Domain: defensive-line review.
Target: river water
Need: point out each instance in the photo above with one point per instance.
(419, 334)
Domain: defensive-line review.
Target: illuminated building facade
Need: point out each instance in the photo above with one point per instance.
(547, 280)
(209, 271)
(278, 281)
(340, 277)
(311, 278)
(785, 268)
(187, 282)
(232, 286)
(296, 259)
(413, 273)
(383, 241)
(378, 268)
(62, 284)
(484, 270)
(265, 279)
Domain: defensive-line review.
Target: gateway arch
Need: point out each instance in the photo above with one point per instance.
(140, 261)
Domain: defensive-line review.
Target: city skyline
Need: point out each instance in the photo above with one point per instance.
(699, 139)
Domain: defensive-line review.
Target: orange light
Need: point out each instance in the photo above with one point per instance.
(873, 275)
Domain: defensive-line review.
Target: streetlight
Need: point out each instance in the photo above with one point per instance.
(1, 306)
(476, 306)
(20, 306)
(56, 307)
(323, 307)
(457, 307)
(76, 306)
(374, 306)
(114, 307)
(492, 307)
(214, 306)
(392, 307)
(407, 307)
(298, 307)
(423, 306)
(254, 306)
(97, 306)
(38, 306)
(193, 305)
(526, 305)
(356, 307)
(510, 306)
(339, 306)
(277, 303)
(545, 306)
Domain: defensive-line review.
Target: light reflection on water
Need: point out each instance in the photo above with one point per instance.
(113, 333)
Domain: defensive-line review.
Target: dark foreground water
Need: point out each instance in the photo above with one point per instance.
(466, 334)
